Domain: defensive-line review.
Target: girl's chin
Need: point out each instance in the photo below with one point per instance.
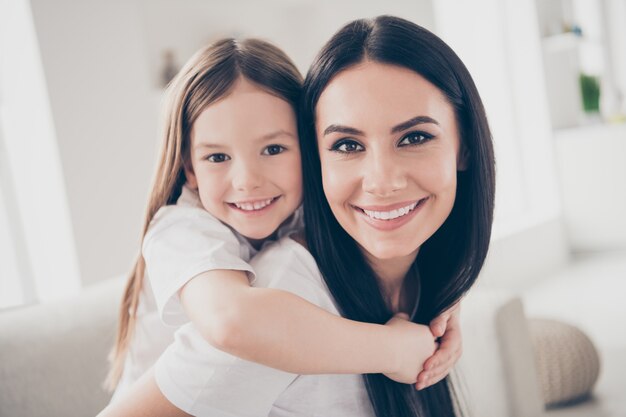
(255, 235)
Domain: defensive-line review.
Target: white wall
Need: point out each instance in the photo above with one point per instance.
(615, 17)
(593, 186)
(299, 27)
(11, 292)
(33, 187)
(501, 48)
(105, 121)
(502, 51)
(102, 62)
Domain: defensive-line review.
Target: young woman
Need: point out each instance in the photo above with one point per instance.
(399, 185)
(398, 198)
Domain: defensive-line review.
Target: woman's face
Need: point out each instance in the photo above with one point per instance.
(390, 149)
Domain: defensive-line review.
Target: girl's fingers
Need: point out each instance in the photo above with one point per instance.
(402, 316)
(430, 377)
(443, 368)
(438, 325)
(438, 366)
(440, 372)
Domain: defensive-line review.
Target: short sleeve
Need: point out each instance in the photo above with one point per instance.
(182, 242)
(204, 381)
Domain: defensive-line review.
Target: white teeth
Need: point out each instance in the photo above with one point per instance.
(390, 215)
(257, 205)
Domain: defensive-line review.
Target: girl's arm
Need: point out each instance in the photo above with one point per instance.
(284, 331)
(143, 399)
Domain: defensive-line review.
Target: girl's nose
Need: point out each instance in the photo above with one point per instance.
(247, 177)
(383, 175)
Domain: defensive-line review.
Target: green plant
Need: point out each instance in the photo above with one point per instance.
(590, 90)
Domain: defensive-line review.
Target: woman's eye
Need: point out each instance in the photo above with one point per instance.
(273, 150)
(218, 157)
(415, 138)
(347, 146)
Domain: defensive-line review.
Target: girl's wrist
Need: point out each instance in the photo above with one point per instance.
(392, 346)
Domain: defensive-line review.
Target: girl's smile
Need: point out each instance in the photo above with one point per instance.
(254, 207)
(245, 160)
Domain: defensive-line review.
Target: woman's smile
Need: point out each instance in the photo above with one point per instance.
(392, 216)
(389, 156)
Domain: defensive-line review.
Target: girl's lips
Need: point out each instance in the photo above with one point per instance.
(247, 206)
(391, 224)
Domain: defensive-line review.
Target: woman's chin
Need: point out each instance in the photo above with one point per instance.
(384, 251)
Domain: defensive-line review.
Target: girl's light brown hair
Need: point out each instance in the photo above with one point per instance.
(207, 77)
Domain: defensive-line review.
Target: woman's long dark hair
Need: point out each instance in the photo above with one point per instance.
(449, 261)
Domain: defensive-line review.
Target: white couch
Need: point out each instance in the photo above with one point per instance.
(53, 357)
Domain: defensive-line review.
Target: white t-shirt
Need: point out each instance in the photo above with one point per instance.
(182, 241)
(205, 381)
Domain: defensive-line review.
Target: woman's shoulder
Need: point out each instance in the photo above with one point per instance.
(287, 255)
(287, 264)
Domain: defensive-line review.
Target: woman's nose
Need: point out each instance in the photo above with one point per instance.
(383, 175)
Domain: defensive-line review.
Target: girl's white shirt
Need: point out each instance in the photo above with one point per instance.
(205, 381)
(182, 241)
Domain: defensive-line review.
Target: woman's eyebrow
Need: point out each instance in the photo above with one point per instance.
(413, 122)
(342, 129)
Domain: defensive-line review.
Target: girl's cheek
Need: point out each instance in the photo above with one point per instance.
(293, 169)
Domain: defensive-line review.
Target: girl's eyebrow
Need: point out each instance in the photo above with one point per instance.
(334, 128)
(208, 145)
(264, 138)
(274, 135)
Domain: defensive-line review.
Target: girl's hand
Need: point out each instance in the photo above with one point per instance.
(412, 344)
(447, 327)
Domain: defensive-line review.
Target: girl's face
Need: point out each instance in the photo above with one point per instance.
(245, 160)
(390, 150)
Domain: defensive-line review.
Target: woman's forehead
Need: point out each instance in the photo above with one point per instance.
(376, 93)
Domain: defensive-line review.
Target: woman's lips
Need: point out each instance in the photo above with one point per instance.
(390, 217)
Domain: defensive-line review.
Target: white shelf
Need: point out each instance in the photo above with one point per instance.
(569, 40)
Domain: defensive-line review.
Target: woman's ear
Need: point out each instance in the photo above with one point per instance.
(463, 158)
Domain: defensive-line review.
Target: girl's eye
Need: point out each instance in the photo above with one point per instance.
(273, 150)
(218, 157)
(415, 138)
(347, 146)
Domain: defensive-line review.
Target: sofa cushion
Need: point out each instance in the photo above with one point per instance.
(54, 355)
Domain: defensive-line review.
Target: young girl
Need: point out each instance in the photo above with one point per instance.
(228, 180)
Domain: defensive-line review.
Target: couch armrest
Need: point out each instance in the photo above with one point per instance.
(496, 376)
(54, 355)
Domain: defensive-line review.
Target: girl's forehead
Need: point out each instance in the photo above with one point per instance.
(247, 112)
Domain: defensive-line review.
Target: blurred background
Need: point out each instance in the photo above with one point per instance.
(81, 83)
